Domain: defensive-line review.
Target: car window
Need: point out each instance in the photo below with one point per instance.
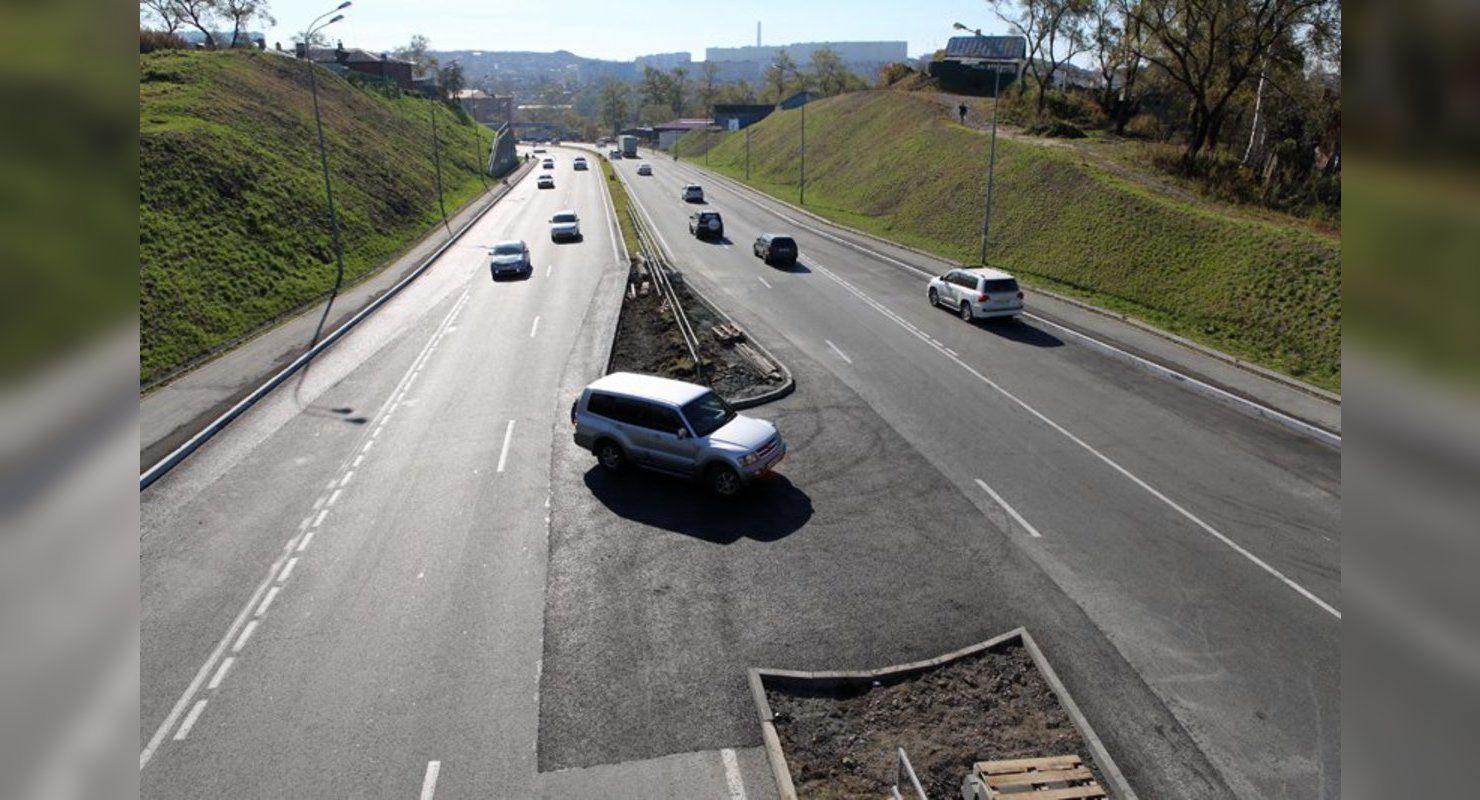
(662, 418)
(783, 241)
(564, 218)
(513, 249)
(708, 413)
(1001, 285)
(966, 280)
(602, 404)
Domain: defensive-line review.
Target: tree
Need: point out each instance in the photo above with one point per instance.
(1055, 30)
(418, 52)
(678, 89)
(202, 16)
(1211, 48)
(708, 83)
(828, 72)
(615, 105)
(778, 73)
(164, 13)
(242, 13)
(1116, 40)
(450, 80)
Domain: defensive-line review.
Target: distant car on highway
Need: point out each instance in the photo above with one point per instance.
(693, 193)
(510, 258)
(706, 223)
(774, 248)
(548, 163)
(565, 225)
(614, 154)
(977, 293)
(644, 168)
(579, 164)
(538, 150)
(546, 182)
(674, 427)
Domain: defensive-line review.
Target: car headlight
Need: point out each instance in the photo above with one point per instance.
(750, 458)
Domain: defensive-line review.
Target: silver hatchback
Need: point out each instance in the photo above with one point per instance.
(675, 427)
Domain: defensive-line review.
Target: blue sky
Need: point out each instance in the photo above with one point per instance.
(621, 29)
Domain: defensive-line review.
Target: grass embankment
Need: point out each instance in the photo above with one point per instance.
(895, 165)
(233, 227)
(621, 204)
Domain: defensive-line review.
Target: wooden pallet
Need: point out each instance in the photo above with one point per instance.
(727, 333)
(1051, 778)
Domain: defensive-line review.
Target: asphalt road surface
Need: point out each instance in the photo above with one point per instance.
(1203, 542)
(399, 576)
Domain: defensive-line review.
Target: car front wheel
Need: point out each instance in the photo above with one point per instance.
(723, 480)
(934, 298)
(610, 456)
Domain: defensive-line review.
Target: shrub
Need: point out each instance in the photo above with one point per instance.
(1056, 129)
(149, 41)
(890, 74)
(1145, 126)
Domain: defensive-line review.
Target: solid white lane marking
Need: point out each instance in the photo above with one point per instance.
(534, 328)
(334, 498)
(763, 281)
(347, 476)
(503, 455)
(429, 782)
(1194, 519)
(287, 570)
(1032, 531)
(190, 721)
(840, 353)
(319, 520)
(267, 601)
(221, 672)
(732, 774)
(241, 641)
(303, 545)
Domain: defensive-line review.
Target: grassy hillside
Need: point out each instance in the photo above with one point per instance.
(233, 227)
(894, 164)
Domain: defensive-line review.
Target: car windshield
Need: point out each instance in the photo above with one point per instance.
(782, 241)
(708, 413)
(508, 249)
(564, 218)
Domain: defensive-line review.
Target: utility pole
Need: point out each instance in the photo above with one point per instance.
(437, 160)
(802, 198)
(747, 152)
(991, 163)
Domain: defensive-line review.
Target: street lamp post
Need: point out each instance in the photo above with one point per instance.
(747, 152)
(802, 190)
(991, 163)
(437, 159)
(313, 87)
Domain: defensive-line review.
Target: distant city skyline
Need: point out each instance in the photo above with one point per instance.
(622, 31)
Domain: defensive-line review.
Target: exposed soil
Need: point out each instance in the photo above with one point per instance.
(648, 341)
(840, 741)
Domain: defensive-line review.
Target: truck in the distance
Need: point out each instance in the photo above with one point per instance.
(628, 144)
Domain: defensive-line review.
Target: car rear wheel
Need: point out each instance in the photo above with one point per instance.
(934, 298)
(610, 456)
(723, 480)
(965, 311)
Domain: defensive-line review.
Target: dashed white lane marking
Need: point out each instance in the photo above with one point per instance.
(429, 783)
(732, 774)
(367, 446)
(763, 281)
(267, 601)
(378, 429)
(840, 353)
(303, 545)
(318, 502)
(347, 476)
(334, 498)
(533, 329)
(307, 521)
(548, 267)
(221, 672)
(241, 641)
(287, 570)
(997, 498)
(503, 455)
(190, 721)
(359, 458)
(1108, 461)
(319, 520)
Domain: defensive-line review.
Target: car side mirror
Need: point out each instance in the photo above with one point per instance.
(682, 433)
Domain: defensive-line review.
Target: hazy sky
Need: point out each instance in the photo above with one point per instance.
(621, 29)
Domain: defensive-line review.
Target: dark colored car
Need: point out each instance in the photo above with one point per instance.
(706, 223)
(773, 248)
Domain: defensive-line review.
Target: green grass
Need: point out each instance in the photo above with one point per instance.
(233, 226)
(621, 204)
(895, 165)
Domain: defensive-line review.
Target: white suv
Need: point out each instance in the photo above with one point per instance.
(565, 225)
(977, 293)
(674, 427)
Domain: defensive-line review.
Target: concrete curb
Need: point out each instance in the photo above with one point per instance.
(758, 677)
(787, 386)
(1255, 369)
(215, 426)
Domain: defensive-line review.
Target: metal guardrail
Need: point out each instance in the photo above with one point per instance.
(902, 770)
(659, 267)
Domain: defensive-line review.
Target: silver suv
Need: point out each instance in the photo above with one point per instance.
(674, 427)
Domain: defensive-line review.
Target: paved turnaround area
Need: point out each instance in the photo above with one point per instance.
(399, 577)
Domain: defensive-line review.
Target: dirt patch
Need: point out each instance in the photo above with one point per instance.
(840, 741)
(649, 341)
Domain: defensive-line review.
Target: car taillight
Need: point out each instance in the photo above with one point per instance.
(982, 298)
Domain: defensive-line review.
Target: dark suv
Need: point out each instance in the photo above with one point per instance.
(706, 223)
(773, 248)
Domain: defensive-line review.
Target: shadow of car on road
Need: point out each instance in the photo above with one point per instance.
(1014, 329)
(769, 510)
(789, 266)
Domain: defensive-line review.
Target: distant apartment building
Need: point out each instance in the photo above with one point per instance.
(486, 108)
(749, 63)
(662, 61)
(379, 65)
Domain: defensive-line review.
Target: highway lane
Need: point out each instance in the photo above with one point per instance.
(347, 585)
(1204, 543)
